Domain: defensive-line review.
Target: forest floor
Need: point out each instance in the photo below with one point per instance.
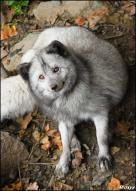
(42, 140)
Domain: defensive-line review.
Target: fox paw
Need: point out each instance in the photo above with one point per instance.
(61, 170)
(105, 162)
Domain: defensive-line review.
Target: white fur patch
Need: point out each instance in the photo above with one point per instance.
(15, 98)
(28, 56)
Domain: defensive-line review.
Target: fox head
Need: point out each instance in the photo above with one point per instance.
(50, 71)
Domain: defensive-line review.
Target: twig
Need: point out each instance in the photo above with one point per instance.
(42, 163)
(32, 150)
(36, 30)
(19, 173)
(52, 180)
(116, 36)
(43, 125)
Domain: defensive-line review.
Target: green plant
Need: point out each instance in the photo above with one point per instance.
(17, 5)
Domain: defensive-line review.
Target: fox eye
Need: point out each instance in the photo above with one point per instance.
(41, 77)
(56, 69)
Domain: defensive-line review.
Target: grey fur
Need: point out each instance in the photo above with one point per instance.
(92, 80)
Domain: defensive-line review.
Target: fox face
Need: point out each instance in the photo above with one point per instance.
(49, 71)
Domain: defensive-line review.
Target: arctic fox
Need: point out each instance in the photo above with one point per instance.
(73, 76)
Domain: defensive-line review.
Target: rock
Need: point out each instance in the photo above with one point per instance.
(13, 152)
(3, 73)
(48, 11)
(100, 178)
(3, 20)
(19, 49)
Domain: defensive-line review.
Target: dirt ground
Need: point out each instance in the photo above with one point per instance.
(41, 164)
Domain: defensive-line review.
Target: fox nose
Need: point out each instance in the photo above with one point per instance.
(54, 87)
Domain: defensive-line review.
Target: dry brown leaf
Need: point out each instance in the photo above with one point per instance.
(115, 149)
(51, 133)
(129, 7)
(12, 187)
(21, 133)
(97, 15)
(4, 53)
(122, 128)
(18, 186)
(80, 21)
(46, 146)
(57, 141)
(24, 121)
(36, 135)
(62, 186)
(44, 140)
(47, 128)
(86, 178)
(114, 184)
(33, 186)
(8, 31)
(54, 136)
(77, 160)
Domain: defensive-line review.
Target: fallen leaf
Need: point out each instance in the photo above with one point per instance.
(26, 121)
(97, 15)
(129, 7)
(51, 133)
(47, 128)
(62, 186)
(80, 21)
(8, 31)
(57, 141)
(122, 128)
(114, 184)
(44, 140)
(36, 135)
(77, 160)
(14, 186)
(86, 178)
(4, 53)
(18, 186)
(46, 146)
(33, 186)
(115, 149)
(21, 133)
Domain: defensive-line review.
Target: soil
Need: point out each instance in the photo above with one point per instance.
(40, 166)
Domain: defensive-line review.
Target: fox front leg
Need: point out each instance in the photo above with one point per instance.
(66, 132)
(101, 124)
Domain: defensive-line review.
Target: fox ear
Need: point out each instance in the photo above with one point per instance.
(56, 47)
(23, 70)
